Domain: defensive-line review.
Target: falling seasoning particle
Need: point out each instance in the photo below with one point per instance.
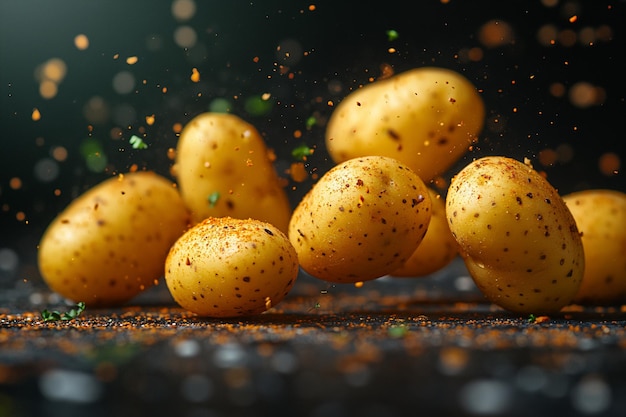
(150, 119)
(137, 142)
(301, 152)
(213, 198)
(392, 35)
(36, 115)
(195, 75)
(132, 60)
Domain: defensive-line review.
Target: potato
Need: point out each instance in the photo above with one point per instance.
(223, 169)
(437, 249)
(361, 220)
(426, 118)
(519, 241)
(225, 267)
(111, 242)
(601, 218)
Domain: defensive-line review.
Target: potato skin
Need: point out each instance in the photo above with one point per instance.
(222, 155)
(111, 242)
(361, 220)
(225, 267)
(601, 218)
(438, 248)
(426, 118)
(518, 239)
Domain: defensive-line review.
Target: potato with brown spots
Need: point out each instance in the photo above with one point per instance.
(225, 267)
(601, 218)
(519, 241)
(223, 168)
(361, 220)
(426, 118)
(111, 242)
(437, 249)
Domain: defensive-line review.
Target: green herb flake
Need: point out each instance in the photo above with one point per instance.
(397, 331)
(310, 122)
(392, 35)
(137, 142)
(301, 152)
(213, 198)
(531, 318)
(55, 315)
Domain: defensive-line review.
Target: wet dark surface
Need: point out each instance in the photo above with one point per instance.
(394, 347)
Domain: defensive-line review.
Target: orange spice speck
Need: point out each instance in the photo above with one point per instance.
(195, 75)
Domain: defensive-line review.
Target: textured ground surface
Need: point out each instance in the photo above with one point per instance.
(390, 348)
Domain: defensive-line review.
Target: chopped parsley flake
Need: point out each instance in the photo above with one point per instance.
(137, 142)
(301, 152)
(310, 122)
(212, 198)
(47, 315)
(392, 35)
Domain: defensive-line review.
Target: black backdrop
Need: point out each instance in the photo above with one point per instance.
(343, 42)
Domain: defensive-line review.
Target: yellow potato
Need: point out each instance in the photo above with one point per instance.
(601, 218)
(426, 118)
(361, 220)
(517, 237)
(111, 242)
(223, 169)
(225, 267)
(437, 249)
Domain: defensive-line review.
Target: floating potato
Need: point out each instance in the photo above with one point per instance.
(519, 241)
(225, 267)
(111, 242)
(437, 249)
(223, 169)
(427, 118)
(361, 220)
(601, 218)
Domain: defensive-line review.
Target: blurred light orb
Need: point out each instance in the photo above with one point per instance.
(183, 9)
(46, 170)
(124, 115)
(123, 82)
(81, 42)
(220, 105)
(8, 260)
(495, 33)
(96, 110)
(185, 36)
(289, 52)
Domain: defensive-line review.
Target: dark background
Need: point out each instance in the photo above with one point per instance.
(346, 43)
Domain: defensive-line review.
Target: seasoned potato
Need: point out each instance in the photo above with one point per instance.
(225, 267)
(517, 237)
(223, 169)
(361, 220)
(437, 249)
(426, 118)
(601, 218)
(111, 242)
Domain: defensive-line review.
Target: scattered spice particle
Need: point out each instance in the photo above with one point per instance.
(195, 75)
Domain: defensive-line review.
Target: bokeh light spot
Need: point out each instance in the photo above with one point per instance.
(123, 82)
(183, 9)
(495, 33)
(220, 105)
(609, 164)
(46, 170)
(185, 36)
(81, 42)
